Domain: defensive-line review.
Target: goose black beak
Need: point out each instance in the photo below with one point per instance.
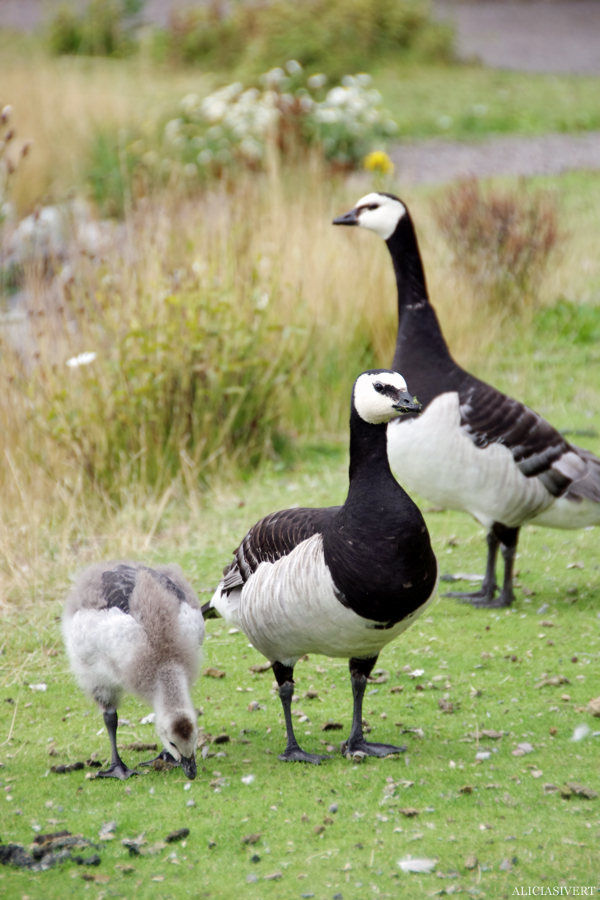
(406, 403)
(189, 767)
(349, 218)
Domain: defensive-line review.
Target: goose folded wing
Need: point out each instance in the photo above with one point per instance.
(117, 586)
(272, 538)
(538, 449)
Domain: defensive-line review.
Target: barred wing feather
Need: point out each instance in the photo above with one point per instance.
(538, 449)
(272, 538)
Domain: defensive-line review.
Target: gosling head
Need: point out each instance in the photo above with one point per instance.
(178, 731)
(377, 212)
(381, 395)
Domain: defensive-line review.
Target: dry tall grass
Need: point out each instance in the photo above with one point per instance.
(60, 104)
(331, 301)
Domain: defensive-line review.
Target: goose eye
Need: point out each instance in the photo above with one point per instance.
(379, 387)
(373, 206)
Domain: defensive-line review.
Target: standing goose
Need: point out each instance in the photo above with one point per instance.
(342, 581)
(473, 448)
(130, 628)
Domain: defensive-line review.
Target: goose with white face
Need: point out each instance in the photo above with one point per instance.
(377, 212)
(382, 395)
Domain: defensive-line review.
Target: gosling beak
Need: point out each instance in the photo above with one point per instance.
(406, 403)
(189, 767)
(349, 218)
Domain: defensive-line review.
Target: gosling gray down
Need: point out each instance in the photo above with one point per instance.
(472, 448)
(129, 628)
(342, 581)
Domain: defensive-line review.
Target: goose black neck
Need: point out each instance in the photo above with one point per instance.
(368, 451)
(408, 265)
(421, 351)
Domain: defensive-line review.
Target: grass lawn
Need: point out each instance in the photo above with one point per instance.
(486, 664)
(470, 101)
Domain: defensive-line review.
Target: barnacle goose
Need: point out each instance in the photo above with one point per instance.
(342, 581)
(473, 448)
(130, 628)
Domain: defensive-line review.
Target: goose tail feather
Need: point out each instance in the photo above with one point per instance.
(588, 487)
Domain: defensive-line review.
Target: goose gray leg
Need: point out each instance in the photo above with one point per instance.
(489, 586)
(508, 538)
(293, 751)
(360, 669)
(117, 768)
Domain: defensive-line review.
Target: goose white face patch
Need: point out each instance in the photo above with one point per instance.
(383, 218)
(373, 406)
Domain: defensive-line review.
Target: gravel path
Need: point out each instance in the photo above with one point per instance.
(532, 36)
(436, 161)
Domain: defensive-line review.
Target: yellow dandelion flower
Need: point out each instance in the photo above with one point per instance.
(379, 163)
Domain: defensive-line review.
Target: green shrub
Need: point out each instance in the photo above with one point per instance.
(235, 129)
(166, 379)
(105, 28)
(207, 34)
(334, 36)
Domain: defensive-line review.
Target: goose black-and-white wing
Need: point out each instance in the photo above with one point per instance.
(539, 450)
(272, 538)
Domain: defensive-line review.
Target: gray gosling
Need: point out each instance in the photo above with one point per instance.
(128, 628)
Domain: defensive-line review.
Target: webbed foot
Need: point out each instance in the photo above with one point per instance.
(484, 594)
(504, 599)
(296, 754)
(370, 748)
(117, 770)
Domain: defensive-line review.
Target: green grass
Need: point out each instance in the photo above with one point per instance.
(470, 101)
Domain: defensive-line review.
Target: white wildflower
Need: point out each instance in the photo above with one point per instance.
(293, 66)
(84, 359)
(317, 81)
(337, 96)
(327, 115)
(213, 108)
(190, 103)
(273, 78)
(204, 158)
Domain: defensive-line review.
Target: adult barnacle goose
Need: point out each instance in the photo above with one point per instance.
(342, 581)
(473, 448)
(130, 628)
